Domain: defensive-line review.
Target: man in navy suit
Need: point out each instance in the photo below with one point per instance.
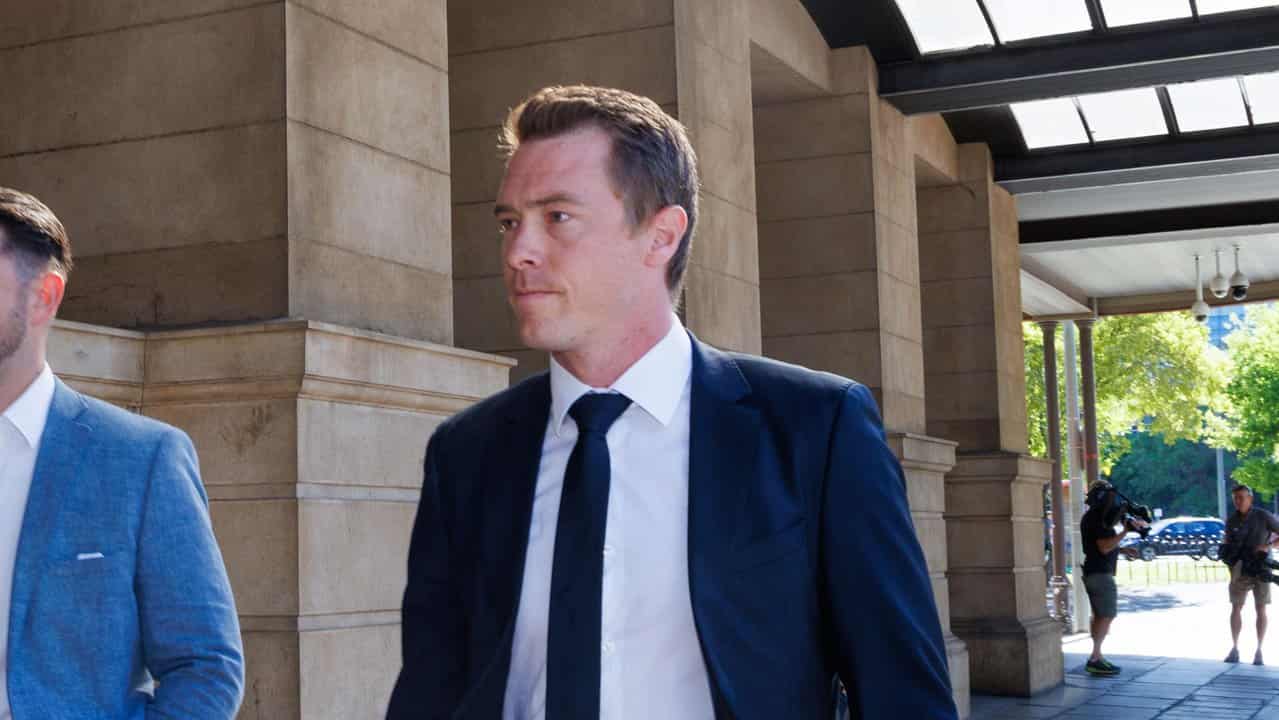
(654, 528)
(114, 602)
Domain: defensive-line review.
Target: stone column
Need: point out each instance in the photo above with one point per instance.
(223, 166)
(691, 57)
(974, 373)
(256, 161)
(839, 283)
(311, 439)
(1088, 372)
(1059, 583)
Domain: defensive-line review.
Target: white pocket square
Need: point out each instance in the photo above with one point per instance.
(90, 556)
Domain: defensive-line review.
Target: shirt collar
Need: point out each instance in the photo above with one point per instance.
(31, 410)
(655, 383)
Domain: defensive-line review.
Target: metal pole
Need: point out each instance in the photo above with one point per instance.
(1090, 400)
(1221, 484)
(1059, 583)
(1079, 601)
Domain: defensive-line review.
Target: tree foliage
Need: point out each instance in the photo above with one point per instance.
(1157, 372)
(1180, 478)
(1253, 391)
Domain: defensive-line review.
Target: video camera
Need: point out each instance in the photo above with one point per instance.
(1252, 563)
(1121, 510)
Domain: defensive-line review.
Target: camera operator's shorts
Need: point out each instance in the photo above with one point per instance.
(1241, 584)
(1102, 594)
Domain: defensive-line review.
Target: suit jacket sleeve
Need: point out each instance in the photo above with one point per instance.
(190, 634)
(431, 681)
(889, 647)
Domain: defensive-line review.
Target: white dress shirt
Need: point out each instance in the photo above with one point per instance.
(21, 428)
(651, 663)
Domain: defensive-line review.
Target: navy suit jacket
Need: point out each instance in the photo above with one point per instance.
(803, 561)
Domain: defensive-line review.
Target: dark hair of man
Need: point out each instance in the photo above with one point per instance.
(33, 235)
(653, 164)
(1241, 489)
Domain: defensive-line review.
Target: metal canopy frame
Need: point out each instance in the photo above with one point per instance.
(1262, 212)
(1165, 159)
(1194, 49)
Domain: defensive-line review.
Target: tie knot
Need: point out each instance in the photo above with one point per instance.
(596, 412)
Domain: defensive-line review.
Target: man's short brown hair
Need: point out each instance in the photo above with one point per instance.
(33, 234)
(653, 163)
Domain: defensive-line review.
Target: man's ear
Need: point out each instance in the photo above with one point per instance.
(46, 292)
(668, 226)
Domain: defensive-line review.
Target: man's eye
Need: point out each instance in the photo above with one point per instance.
(505, 225)
(557, 216)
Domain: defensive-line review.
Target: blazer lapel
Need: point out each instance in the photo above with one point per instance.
(512, 470)
(515, 468)
(724, 438)
(59, 461)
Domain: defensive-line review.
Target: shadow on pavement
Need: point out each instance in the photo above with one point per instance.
(1138, 601)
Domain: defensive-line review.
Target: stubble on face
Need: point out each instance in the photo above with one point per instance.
(13, 318)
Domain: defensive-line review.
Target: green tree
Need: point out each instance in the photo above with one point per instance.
(1180, 477)
(1154, 371)
(1254, 397)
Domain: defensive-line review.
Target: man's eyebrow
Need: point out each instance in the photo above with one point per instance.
(499, 208)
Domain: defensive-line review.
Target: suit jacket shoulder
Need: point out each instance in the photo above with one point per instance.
(807, 400)
(484, 419)
(114, 424)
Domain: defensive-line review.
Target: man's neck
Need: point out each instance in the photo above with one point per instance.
(601, 365)
(16, 377)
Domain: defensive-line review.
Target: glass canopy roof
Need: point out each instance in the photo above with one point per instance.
(1200, 106)
(955, 25)
(1203, 106)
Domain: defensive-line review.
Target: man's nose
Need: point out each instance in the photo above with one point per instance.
(524, 246)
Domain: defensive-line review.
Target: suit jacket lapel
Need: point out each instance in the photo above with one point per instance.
(723, 440)
(515, 468)
(512, 470)
(57, 464)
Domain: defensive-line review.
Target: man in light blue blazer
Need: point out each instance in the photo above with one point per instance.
(115, 595)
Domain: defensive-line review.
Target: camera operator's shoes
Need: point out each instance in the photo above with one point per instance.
(1256, 659)
(1101, 667)
(1233, 657)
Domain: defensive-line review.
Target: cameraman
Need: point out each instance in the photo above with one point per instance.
(1101, 555)
(1248, 531)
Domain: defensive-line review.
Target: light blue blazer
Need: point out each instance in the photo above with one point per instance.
(118, 576)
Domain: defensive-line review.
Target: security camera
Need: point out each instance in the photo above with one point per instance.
(1199, 310)
(1238, 281)
(1239, 288)
(1218, 284)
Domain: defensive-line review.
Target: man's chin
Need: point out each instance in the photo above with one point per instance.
(539, 336)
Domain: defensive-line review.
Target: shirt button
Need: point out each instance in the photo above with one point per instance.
(606, 647)
(608, 551)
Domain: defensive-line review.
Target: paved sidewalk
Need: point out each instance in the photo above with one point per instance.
(1149, 688)
(1169, 640)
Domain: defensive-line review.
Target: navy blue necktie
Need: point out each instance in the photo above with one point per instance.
(577, 576)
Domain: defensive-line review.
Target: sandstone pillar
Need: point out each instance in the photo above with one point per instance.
(239, 163)
(311, 439)
(839, 276)
(223, 166)
(976, 396)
